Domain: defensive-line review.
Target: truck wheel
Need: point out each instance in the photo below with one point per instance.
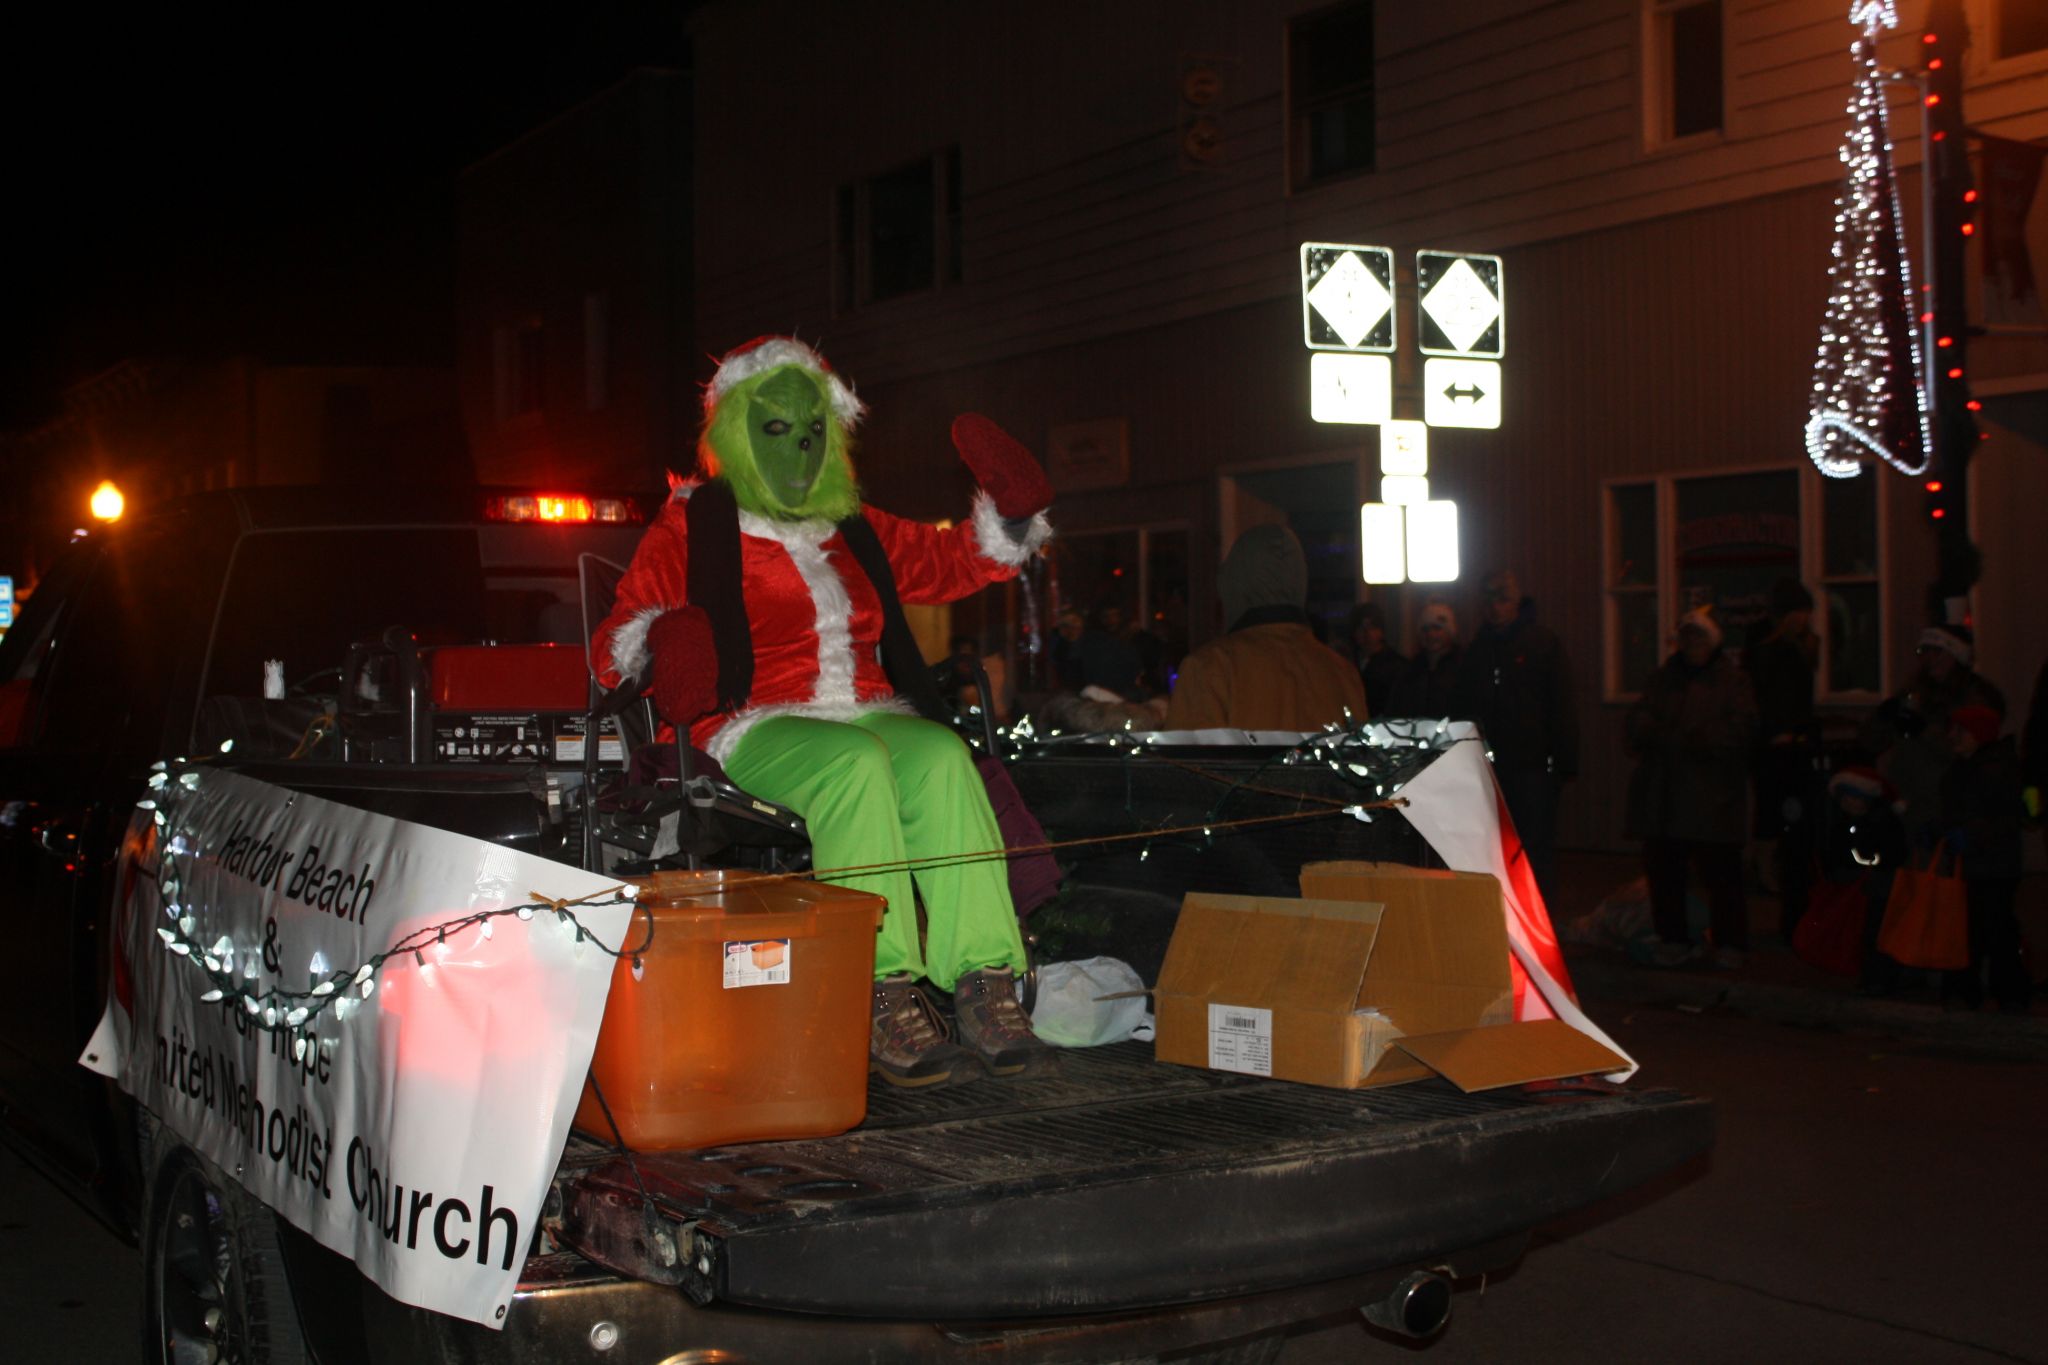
(215, 1291)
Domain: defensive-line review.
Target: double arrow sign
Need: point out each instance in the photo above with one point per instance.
(1347, 308)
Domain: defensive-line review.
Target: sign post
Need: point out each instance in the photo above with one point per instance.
(1348, 325)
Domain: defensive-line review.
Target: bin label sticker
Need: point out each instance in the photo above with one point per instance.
(1240, 1039)
(762, 962)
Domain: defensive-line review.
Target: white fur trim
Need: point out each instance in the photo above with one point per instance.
(774, 353)
(729, 734)
(992, 538)
(629, 643)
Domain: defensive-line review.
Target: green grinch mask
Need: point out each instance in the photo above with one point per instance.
(776, 442)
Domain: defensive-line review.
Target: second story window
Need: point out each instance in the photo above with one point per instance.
(1681, 69)
(2022, 27)
(1330, 105)
(897, 232)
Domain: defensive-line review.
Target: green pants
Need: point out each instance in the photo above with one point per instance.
(882, 788)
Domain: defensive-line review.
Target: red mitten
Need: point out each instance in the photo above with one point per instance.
(685, 664)
(1002, 465)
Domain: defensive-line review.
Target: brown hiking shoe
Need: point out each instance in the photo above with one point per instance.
(907, 1044)
(993, 1025)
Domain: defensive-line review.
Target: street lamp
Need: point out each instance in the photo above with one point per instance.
(107, 502)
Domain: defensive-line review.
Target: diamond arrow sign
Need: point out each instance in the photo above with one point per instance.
(1347, 297)
(1463, 303)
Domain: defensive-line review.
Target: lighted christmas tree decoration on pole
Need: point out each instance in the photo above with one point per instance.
(1867, 395)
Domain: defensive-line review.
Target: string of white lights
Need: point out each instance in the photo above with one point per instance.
(1869, 365)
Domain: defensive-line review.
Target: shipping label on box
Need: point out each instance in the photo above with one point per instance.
(1241, 1039)
(760, 962)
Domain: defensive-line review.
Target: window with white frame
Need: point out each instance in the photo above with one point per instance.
(1682, 69)
(1723, 541)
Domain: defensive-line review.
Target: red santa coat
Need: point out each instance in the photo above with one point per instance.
(815, 619)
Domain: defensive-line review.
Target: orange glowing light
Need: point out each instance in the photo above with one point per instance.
(557, 507)
(1934, 485)
(107, 503)
(1969, 196)
(1969, 229)
(1933, 100)
(1944, 341)
(1955, 374)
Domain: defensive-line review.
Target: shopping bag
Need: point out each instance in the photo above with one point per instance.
(1926, 921)
(1830, 934)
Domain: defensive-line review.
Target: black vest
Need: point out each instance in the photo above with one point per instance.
(713, 583)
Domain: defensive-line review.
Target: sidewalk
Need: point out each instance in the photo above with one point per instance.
(1774, 984)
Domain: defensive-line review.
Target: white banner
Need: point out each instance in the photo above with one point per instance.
(417, 1130)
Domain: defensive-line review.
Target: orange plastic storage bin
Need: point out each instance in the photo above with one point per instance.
(748, 1021)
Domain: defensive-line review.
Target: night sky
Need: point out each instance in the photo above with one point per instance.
(276, 180)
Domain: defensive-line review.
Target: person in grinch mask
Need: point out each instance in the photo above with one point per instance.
(764, 610)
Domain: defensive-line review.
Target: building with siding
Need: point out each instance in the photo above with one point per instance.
(1084, 220)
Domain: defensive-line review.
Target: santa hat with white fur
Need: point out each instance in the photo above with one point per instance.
(1953, 641)
(766, 353)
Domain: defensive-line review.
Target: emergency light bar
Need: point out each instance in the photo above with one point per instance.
(561, 508)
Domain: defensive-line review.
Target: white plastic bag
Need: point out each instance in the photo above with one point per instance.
(1071, 1012)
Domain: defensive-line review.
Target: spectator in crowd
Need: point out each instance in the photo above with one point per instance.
(1268, 671)
(1909, 734)
(1865, 841)
(1981, 814)
(1781, 668)
(1378, 664)
(1109, 662)
(1691, 734)
(1066, 649)
(1424, 688)
(1515, 681)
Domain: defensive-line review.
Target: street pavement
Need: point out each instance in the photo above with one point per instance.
(1866, 1200)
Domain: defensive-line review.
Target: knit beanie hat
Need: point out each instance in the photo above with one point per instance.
(1868, 783)
(1955, 641)
(1981, 723)
(1265, 568)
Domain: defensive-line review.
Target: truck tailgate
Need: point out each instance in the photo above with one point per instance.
(1117, 1183)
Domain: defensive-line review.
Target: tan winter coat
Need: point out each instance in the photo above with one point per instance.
(1268, 677)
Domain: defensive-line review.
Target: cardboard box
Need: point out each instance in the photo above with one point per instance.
(1381, 974)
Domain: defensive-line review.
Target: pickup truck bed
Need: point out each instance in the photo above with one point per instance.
(1118, 1183)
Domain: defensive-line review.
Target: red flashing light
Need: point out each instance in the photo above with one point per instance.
(1934, 64)
(1969, 196)
(1929, 38)
(1927, 317)
(1938, 513)
(561, 509)
(1955, 374)
(1969, 229)
(1934, 485)
(1933, 100)
(1974, 406)
(1944, 341)
(1941, 137)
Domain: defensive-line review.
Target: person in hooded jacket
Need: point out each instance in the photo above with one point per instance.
(1516, 682)
(1909, 733)
(1691, 733)
(1268, 671)
(1781, 668)
(1981, 815)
